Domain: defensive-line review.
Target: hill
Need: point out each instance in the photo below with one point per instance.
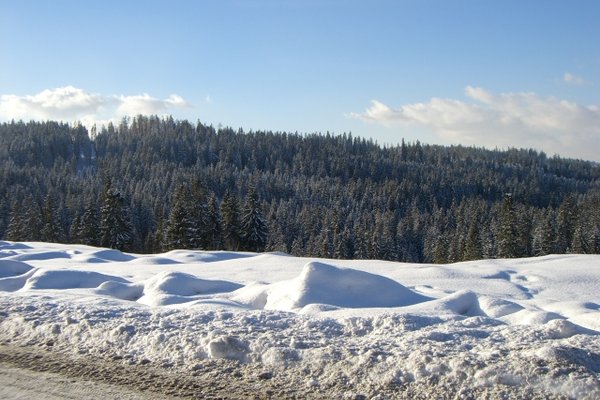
(173, 184)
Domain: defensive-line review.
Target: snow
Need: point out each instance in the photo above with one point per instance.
(371, 324)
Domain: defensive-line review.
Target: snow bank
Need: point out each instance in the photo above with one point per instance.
(13, 268)
(14, 283)
(321, 283)
(67, 279)
(368, 325)
(177, 287)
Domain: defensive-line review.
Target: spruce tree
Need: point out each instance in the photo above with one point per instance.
(254, 230)
(199, 226)
(88, 231)
(51, 229)
(565, 225)
(32, 223)
(116, 228)
(473, 248)
(230, 214)
(507, 236)
(214, 228)
(15, 231)
(543, 237)
(180, 226)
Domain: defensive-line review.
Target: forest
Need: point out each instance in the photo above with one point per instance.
(151, 184)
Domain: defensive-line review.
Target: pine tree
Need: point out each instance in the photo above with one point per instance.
(52, 229)
(473, 248)
(565, 225)
(579, 244)
(214, 231)
(115, 221)
(543, 237)
(199, 227)
(230, 214)
(180, 226)
(15, 231)
(254, 230)
(508, 230)
(32, 223)
(74, 229)
(88, 231)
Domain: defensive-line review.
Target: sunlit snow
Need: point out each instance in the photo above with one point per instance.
(528, 321)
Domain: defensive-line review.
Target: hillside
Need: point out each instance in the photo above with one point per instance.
(323, 195)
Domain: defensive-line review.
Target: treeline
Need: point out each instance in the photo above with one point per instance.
(152, 184)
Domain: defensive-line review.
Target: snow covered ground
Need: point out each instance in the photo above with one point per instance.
(528, 326)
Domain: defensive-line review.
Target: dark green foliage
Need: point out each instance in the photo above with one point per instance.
(508, 230)
(543, 237)
(214, 227)
(473, 248)
(254, 231)
(231, 229)
(15, 230)
(565, 225)
(51, 225)
(116, 229)
(334, 196)
(181, 229)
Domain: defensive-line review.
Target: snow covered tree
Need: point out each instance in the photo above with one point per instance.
(180, 226)
(88, 231)
(543, 237)
(230, 214)
(473, 249)
(116, 228)
(15, 230)
(198, 231)
(254, 230)
(32, 220)
(51, 229)
(214, 226)
(565, 225)
(580, 243)
(508, 246)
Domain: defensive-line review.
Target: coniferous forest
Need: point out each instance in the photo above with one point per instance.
(154, 184)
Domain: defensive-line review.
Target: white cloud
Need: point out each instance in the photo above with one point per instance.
(573, 79)
(70, 104)
(60, 103)
(146, 104)
(500, 120)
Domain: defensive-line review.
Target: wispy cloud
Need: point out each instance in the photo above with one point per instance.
(500, 120)
(571, 79)
(71, 104)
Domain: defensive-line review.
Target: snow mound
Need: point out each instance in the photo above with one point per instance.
(178, 287)
(13, 268)
(67, 279)
(13, 246)
(321, 283)
(187, 256)
(463, 302)
(41, 256)
(14, 283)
(120, 290)
(497, 308)
(154, 261)
(111, 256)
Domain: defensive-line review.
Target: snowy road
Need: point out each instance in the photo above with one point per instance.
(23, 384)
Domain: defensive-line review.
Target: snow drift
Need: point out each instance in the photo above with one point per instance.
(483, 325)
(321, 283)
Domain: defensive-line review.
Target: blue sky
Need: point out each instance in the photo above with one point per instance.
(483, 73)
